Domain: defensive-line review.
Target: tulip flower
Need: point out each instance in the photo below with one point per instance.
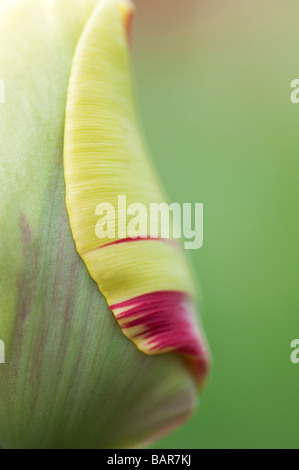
(102, 345)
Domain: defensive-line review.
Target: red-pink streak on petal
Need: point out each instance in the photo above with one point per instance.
(129, 27)
(165, 321)
(137, 239)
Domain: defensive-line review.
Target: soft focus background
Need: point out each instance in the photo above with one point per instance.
(213, 79)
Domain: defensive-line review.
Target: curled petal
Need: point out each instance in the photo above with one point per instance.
(147, 282)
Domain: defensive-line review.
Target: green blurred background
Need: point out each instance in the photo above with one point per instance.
(213, 80)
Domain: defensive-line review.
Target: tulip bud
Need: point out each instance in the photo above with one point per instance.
(69, 141)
